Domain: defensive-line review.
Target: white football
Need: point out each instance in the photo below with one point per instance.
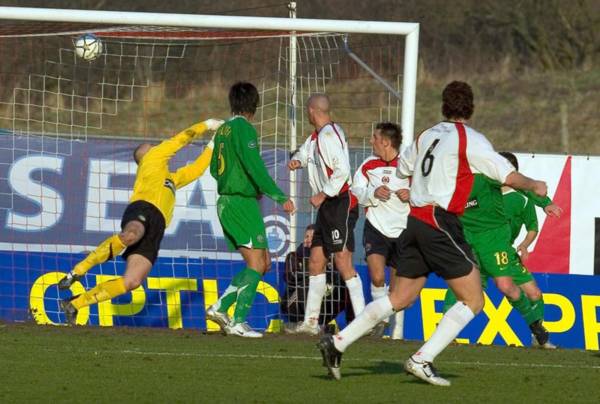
(88, 47)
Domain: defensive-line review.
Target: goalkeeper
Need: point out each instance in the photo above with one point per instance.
(144, 221)
(241, 179)
(491, 226)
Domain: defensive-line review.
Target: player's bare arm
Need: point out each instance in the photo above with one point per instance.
(523, 248)
(318, 199)
(519, 181)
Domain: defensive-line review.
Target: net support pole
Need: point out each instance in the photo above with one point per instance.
(293, 127)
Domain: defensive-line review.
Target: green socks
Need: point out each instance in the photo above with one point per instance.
(523, 306)
(245, 295)
(241, 291)
(228, 297)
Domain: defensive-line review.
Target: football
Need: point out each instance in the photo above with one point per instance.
(88, 47)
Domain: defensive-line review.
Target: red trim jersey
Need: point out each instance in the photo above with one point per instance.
(442, 161)
(388, 217)
(325, 155)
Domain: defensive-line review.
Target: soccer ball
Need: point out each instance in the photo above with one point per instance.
(88, 47)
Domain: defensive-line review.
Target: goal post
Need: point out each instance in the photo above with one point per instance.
(68, 125)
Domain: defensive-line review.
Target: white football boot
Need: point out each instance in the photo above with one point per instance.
(304, 328)
(424, 371)
(222, 319)
(242, 330)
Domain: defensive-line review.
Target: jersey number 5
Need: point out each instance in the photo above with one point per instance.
(427, 163)
(220, 160)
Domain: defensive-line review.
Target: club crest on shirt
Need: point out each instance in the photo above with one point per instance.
(385, 179)
(170, 184)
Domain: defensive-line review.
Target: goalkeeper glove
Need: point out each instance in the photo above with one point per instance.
(213, 124)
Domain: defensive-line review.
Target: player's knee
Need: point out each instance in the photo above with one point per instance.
(534, 294)
(132, 283)
(131, 235)
(476, 303)
(266, 265)
(377, 279)
(316, 266)
(400, 302)
(343, 259)
(508, 288)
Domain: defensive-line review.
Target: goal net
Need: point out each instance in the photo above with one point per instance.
(68, 127)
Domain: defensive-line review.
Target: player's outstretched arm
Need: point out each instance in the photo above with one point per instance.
(167, 148)
(192, 171)
(299, 158)
(519, 181)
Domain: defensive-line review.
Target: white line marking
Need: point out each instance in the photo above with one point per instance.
(300, 357)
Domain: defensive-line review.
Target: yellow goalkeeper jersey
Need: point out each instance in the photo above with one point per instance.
(154, 183)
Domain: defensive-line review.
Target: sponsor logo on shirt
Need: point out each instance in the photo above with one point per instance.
(170, 184)
(472, 204)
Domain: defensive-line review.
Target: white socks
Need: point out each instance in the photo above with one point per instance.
(355, 291)
(378, 292)
(397, 325)
(316, 291)
(449, 327)
(375, 311)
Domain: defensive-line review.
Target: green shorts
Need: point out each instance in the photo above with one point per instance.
(242, 222)
(496, 255)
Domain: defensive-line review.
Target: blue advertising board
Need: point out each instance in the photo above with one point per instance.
(60, 198)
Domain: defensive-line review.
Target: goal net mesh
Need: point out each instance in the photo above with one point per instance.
(68, 127)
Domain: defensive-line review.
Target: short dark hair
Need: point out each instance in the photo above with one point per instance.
(310, 227)
(457, 100)
(390, 131)
(136, 151)
(243, 98)
(512, 159)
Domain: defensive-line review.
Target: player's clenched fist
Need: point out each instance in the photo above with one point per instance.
(288, 207)
(382, 193)
(294, 165)
(403, 194)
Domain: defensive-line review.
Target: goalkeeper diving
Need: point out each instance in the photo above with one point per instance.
(144, 221)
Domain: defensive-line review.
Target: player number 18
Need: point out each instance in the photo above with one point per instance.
(501, 258)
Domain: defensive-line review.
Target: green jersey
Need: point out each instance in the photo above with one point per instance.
(484, 210)
(236, 163)
(519, 208)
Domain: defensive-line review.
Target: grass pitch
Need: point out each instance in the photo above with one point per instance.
(63, 364)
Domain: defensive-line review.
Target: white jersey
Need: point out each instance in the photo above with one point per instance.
(388, 217)
(325, 155)
(442, 162)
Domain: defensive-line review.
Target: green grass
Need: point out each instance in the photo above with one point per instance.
(156, 365)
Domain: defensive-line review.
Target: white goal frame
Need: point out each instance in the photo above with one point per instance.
(295, 25)
(408, 29)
